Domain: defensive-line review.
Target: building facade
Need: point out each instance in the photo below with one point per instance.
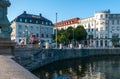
(103, 29)
(67, 23)
(26, 25)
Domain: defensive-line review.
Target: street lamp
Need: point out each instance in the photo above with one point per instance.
(26, 35)
(56, 30)
(73, 36)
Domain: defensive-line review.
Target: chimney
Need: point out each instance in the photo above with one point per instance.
(40, 15)
(24, 12)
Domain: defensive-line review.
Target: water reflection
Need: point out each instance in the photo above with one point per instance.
(82, 68)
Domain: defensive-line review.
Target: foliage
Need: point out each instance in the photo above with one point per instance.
(70, 32)
(65, 35)
(80, 33)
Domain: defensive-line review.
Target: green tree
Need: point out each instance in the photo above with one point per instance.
(70, 31)
(61, 36)
(80, 33)
(65, 35)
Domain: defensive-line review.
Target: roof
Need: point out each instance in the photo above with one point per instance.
(32, 17)
(67, 22)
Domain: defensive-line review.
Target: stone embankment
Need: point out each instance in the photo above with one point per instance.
(40, 57)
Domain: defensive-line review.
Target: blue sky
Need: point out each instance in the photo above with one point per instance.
(66, 9)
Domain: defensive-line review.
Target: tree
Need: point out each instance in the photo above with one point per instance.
(80, 33)
(61, 36)
(70, 31)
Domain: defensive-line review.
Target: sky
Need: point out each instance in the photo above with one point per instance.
(66, 9)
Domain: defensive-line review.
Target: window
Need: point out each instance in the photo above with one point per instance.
(112, 22)
(117, 21)
(106, 16)
(106, 36)
(96, 29)
(20, 19)
(31, 27)
(19, 27)
(101, 35)
(36, 21)
(25, 20)
(42, 22)
(30, 20)
(37, 35)
(42, 35)
(97, 36)
(46, 23)
(106, 28)
(101, 28)
(101, 16)
(19, 34)
(117, 29)
(50, 24)
(88, 30)
(51, 35)
(85, 25)
(37, 28)
(26, 28)
(46, 35)
(92, 30)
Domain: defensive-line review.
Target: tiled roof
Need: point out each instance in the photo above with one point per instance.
(67, 22)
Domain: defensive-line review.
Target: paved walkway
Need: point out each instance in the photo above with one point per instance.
(9, 69)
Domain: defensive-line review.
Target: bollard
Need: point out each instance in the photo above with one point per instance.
(71, 45)
(79, 46)
(60, 46)
(47, 45)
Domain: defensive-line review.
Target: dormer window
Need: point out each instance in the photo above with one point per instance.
(50, 24)
(42, 22)
(36, 21)
(25, 20)
(30, 20)
(46, 23)
(20, 19)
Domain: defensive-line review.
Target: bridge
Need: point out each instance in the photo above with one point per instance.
(35, 58)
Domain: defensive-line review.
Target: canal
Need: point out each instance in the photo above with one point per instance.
(107, 66)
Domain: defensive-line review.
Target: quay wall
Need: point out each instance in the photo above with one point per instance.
(40, 57)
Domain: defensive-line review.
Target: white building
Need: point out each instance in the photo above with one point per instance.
(103, 29)
(26, 25)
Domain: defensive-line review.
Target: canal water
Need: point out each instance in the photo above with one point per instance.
(107, 66)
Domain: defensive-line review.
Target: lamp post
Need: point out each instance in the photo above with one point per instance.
(56, 30)
(73, 36)
(26, 35)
